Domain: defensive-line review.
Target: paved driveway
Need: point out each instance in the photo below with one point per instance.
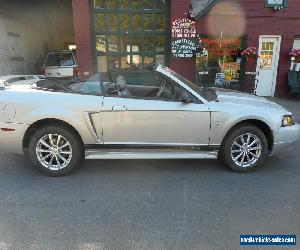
(149, 204)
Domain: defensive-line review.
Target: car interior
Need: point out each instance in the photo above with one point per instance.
(161, 89)
(165, 90)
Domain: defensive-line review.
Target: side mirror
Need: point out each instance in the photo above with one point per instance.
(185, 97)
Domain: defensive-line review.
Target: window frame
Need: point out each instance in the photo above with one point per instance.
(131, 33)
(284, 5)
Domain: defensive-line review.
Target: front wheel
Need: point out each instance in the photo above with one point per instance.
(55, 150)
(244, 149)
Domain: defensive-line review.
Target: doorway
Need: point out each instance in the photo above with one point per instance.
(267, 64)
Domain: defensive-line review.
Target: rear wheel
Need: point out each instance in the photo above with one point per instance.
(244, 149)
(55, 150)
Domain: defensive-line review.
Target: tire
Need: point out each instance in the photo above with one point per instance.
(55, 150)
(236, 147)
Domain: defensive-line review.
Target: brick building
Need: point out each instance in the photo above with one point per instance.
(123, 35)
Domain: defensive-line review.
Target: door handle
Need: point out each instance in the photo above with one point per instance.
(119, 108)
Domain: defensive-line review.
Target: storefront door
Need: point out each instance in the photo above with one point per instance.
(269, 48)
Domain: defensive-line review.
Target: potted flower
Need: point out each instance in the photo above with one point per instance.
(250, 53)
(295, 54)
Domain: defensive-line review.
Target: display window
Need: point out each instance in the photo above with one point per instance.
(219, 62)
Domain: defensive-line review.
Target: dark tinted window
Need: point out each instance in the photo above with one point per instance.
(60, 59)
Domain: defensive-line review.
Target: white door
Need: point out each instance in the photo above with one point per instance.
(267, 64)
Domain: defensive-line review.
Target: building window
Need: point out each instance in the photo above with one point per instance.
(129, 35)
(296, 44)
(276, 3)
(220, 61)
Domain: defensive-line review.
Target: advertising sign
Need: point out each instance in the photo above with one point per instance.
(183, 48)
(183, 38)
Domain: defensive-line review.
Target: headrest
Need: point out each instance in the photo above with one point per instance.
(121, 83)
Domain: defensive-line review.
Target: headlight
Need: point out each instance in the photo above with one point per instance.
(288, 120)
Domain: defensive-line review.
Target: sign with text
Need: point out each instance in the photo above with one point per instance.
(183, 48)
(183, 38)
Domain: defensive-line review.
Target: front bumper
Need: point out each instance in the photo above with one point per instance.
(12, 141)
(285, 137)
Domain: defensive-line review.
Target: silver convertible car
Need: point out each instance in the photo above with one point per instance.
(60, 122)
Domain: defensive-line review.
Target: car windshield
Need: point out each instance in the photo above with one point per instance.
(206, 93)
(89, 86)
(59, 60)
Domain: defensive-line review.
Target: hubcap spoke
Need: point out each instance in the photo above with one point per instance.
(65, 153)
(45, 157)
(61, 157)
(239, 156)
(248, 139)
(58, 140)
(237, 151)
(242, 139)
(65, 145)
(254, 156)
(248, 158)
(57, 162)
(45, 144)
(51, 139)
(254, 142)
(256, 148)
(51, 161)
(43, 151)
(236, 144)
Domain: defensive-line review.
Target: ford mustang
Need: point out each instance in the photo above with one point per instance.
(57, 123)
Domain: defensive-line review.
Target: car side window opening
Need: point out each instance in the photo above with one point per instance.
(162, 89)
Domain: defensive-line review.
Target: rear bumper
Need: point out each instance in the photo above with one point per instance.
(285, 137)
(12, 141)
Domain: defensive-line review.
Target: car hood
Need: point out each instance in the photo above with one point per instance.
(246, 99)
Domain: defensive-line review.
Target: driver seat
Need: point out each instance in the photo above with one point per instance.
(122, 87)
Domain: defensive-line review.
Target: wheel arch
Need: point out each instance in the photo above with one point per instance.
(264, 127)
(45, 122)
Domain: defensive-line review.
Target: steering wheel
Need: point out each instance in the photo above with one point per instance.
(115, 91)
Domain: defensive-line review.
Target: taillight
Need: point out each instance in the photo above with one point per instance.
(75, 71)
(43, 71)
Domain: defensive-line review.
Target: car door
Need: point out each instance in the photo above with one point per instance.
(154, 122)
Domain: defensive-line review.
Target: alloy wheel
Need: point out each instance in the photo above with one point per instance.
(54, 151)
(246, 150)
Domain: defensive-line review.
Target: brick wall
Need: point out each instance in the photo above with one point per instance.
(83, 36)
(186, 67)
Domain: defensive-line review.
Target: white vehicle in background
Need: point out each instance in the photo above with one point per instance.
(20, 79)
(59, 64)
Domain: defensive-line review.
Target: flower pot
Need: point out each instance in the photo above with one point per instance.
(228, 77)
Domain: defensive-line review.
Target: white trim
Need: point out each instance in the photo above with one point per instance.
(276, 58)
